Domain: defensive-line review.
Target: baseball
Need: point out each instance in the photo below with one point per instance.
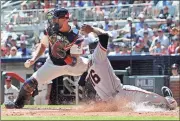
(27, 64)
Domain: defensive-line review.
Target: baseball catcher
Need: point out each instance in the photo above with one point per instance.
(59, 37)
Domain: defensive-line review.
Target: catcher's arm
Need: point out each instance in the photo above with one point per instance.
(41, 48)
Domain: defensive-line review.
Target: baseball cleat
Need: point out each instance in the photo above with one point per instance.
(172, 104)
(10, 105)
(166, 92)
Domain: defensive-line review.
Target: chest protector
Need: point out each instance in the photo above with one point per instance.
(60, 42)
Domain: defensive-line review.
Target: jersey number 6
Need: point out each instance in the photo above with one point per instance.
(95, 78)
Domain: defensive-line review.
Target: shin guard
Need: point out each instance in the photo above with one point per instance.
(26, 92)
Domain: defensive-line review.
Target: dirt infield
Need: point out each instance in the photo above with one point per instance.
(73, 112)
(101, 109)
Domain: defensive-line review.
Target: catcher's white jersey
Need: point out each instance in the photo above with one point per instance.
(102, 77)
(10, 94)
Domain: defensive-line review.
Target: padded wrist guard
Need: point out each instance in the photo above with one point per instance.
(70, 60)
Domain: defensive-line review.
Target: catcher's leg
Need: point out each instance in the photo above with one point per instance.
(26, 92)
(46, 73)
(137, 95)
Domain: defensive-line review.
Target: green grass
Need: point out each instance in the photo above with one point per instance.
(87, 118)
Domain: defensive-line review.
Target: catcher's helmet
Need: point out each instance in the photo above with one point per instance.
(60, 13)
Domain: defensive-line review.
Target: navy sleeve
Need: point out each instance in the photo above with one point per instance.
(103, 40)
(82, 80)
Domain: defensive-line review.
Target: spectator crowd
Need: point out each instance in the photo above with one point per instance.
(135, 38)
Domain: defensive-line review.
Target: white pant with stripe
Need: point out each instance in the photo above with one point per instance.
(138, 95)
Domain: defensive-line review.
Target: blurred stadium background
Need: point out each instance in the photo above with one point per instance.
(138, 29)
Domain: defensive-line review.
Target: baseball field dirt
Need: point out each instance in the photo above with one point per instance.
(95, 112)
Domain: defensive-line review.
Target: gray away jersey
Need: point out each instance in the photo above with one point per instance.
(102, 76)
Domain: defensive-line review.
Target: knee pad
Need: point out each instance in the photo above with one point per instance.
(26, 92)
(30, 85)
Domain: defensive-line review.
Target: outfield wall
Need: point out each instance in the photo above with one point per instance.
(150, 68)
